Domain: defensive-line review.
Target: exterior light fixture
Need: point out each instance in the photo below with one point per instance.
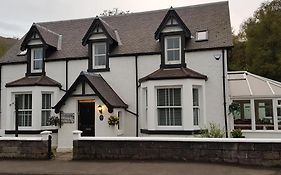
(100, 111)
(217, 56)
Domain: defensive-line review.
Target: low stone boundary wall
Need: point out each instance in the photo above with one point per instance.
(265, 152)
(26, 147)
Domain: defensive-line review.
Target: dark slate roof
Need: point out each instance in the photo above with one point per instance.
(136, 31)
(107, 95)
(176, 73)
(34, 81)
(49, 37)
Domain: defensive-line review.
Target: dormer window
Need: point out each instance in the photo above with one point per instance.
(99, 55)
(173, 49)
(37, 57)
(202, 35)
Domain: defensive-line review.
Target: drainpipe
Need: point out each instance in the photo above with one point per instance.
(224, 93)
(137, 96)
(66, 74)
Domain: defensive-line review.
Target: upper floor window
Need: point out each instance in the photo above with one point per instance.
(173, 50)
(37, 57)
(99, 55)
(202, 35)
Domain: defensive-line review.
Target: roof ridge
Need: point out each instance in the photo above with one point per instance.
(134, 13)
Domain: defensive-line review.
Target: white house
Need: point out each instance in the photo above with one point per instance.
(259, 99)
(161, 72)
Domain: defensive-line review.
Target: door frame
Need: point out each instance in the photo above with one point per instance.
(88, 101)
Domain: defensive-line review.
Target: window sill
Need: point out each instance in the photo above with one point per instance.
(35, 74)
(99, 70)
(170, 132)
(173, 65)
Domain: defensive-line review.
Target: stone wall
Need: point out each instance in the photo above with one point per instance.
(26, 148)
(245, 153)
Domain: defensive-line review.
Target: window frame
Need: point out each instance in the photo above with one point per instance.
(172, 49)
(45, 110)
(203, 39)
(91, 61)
(169, 127)
(24, 110)
(32, 60)
(94, 55)
(196, 106)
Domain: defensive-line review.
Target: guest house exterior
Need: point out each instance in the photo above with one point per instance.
(160, 72)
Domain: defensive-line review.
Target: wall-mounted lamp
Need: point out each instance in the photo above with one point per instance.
(100, 111)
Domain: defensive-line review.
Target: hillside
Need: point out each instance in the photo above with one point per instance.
(5, 44)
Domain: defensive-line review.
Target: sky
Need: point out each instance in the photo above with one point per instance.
(17, 16)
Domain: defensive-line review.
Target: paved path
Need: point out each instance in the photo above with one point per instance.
(67, 167)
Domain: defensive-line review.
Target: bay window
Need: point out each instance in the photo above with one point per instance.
(24, 103)
(46, 109)
(196, 106)
(169, 107)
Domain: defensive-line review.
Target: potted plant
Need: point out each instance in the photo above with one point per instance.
(237, 133)
(113, 120)
(54, 120)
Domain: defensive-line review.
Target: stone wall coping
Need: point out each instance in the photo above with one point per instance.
(177, 139)
(21, 138)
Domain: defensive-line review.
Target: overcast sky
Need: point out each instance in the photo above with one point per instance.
(16, 16)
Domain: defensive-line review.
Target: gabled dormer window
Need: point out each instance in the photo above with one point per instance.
(99, 55)
(173, 49)
(101, 40)
(172, 34)
(37, 57)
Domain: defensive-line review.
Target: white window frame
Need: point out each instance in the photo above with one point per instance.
(94, 55)
(201, 38)
(32, 60)
(24, 110)
(169, 127)
(120, 127)
(166, 50)
(50, 109)
(197, 106)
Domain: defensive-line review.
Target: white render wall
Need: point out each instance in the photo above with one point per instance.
(204, 62)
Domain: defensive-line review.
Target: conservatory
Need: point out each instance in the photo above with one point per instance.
(258, 101)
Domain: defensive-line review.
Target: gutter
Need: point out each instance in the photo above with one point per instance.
(224, 93)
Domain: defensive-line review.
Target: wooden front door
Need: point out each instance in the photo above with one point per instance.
(86, 118)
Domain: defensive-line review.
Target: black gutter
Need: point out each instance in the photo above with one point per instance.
(224, 93)
(137, 96)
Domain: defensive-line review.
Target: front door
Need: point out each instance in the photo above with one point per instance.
(86, 119)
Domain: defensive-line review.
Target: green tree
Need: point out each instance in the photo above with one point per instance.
(257, 47)
(5, 44)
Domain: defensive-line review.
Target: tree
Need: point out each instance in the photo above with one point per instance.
(257, 47)
(114, 12)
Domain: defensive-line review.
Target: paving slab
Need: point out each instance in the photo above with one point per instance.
(68, 167)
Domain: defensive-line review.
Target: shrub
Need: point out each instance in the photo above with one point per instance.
(214, 131)
(113, 120)
(237, 133)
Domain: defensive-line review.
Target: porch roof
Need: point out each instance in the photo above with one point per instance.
(102, 89)
(245, 84)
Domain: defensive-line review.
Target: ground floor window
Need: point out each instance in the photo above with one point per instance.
(196, 106)
(24, 104)
(279, 113)
(242, 118)
(46, 109)
(169, 107)
(264, 115)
